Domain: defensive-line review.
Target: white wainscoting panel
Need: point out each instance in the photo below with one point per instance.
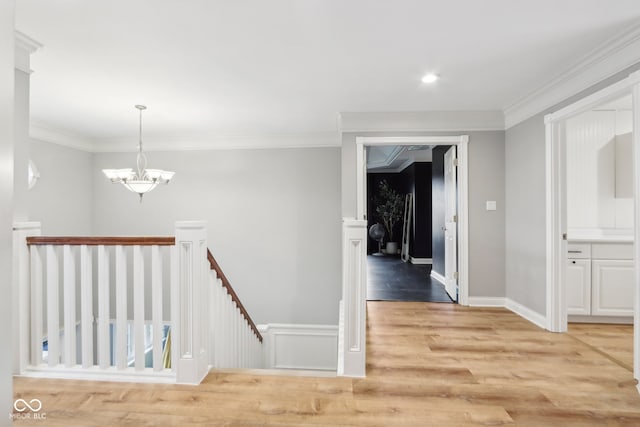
(302, 347)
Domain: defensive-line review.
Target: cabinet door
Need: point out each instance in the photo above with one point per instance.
(579, 286)
(612, 287)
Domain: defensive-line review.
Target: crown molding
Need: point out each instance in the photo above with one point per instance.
(386, 162)
(422, 121)
(24, 47)
(47, 133)
(614, 56)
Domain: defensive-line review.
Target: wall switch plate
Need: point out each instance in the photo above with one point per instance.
(491, 205)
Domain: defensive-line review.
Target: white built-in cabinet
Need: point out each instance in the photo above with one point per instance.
(600, 279)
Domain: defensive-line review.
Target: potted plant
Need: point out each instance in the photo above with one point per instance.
(389, 207)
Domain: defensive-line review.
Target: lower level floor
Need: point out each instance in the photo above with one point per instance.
(427, 364)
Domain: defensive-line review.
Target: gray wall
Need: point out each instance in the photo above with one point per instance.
(6, 206)
(273, 221)
(486, 182)
(62, 199)
(525, 216)
(526, 205)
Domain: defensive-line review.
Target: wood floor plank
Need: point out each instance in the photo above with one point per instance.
(428, 364)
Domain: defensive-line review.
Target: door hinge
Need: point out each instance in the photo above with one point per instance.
(455, 275)
(455, 162)
(455, 218)
(564, 236)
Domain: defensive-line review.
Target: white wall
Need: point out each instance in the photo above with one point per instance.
(486, 182)
(62, 199)
(592, 161)
(273, 221)
(6, 204)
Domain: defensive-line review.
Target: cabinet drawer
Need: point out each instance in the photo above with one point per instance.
(612, 251)
(578, 250)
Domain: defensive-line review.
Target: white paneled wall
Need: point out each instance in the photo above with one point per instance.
(593, 157)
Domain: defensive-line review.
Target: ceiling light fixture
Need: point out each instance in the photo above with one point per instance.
(429, 78)
(143, 180)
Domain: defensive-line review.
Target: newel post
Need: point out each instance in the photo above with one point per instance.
(352, 328)
(21, 292)
(189, 303)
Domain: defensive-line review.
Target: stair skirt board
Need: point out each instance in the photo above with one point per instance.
(300, 347)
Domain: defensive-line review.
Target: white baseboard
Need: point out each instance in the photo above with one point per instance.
(487, 302)
(438, 277)
(624, 320)
(302, 347)
(532, 316)
(421, 261)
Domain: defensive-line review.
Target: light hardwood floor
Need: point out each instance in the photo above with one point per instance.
(429, 364)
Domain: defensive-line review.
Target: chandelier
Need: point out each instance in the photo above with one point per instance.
(143, 180)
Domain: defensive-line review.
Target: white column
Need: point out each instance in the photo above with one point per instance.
(21, 292)
(636, 168)
(352, 339)
(190, 327)
(7, 74)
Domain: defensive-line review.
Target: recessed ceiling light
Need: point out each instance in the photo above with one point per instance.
(429, 78)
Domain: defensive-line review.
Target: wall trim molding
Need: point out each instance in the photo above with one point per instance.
(487, 302)
(609, 58)
(522, 311)
(203, 142)
(300, 346)
(24, 47)
(421, 261)
(437, 277)
(422, 121)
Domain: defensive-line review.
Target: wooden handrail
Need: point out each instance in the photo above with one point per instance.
(108, 240)
(225, 282)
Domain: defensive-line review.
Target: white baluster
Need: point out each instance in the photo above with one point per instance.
(228, 311)
(69, 307)
(53, 315)
(174, 308)
(86, 305)
(138, 307)
(156, 306)
(104, 341)
(121, 307)
(36, 305)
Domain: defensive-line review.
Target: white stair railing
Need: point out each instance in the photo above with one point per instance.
(123, 307)
(235, 340)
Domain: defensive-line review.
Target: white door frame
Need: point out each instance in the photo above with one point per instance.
(556, 204)
(462, 142)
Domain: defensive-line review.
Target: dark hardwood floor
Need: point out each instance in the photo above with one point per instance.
(390, 279)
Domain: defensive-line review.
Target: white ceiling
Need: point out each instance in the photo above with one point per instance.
(255, 67)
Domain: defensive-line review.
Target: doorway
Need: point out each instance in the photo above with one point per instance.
(592, 269)
(406, 215)
(461, 198)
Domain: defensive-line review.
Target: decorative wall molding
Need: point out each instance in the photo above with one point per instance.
(615, 55)
(522, 311)
(24, 47)
(295, 346)
(436, 121)
(46, 133)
